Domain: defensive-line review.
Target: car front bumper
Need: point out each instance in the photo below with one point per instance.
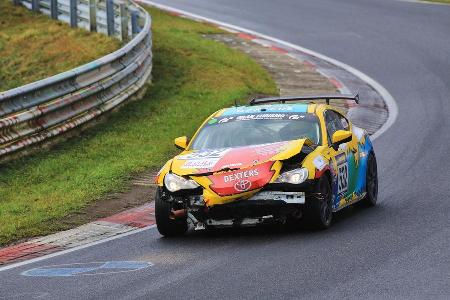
(275, 202)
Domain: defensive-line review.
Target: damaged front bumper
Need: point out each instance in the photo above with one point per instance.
(274, 203)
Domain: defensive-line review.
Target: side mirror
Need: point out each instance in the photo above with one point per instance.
(340, 137)
(181, 142)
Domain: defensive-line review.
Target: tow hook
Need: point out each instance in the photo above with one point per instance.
(197, 224)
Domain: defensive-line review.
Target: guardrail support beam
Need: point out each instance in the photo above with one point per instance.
(93, 15)
(54, 9)
(135, 22)
(35, 5)
(110, 16)
(73, 13)
(123, 21)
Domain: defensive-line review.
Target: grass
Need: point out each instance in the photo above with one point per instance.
(192, 77)
(32, 46)
(438, 1)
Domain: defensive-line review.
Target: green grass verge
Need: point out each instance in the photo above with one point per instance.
(438, 1)
(32, 46)
(192, 77)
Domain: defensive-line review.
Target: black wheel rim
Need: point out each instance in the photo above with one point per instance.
(372, 180)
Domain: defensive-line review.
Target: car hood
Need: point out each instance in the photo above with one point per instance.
(198, 162)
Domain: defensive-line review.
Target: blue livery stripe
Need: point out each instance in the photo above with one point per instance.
(274, 108)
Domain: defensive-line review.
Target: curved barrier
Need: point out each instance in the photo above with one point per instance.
(38, 111)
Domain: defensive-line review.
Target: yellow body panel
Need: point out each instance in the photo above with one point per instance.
(322, 157)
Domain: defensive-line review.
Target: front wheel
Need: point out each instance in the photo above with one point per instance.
(371, 182)
(319, 211)
(166, 225)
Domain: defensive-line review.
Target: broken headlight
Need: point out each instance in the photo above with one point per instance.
(175, 183)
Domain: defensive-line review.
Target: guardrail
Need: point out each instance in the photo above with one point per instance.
(38, 111)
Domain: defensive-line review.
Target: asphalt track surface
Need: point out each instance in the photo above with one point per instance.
(401, 248)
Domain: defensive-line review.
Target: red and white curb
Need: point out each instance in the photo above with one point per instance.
(118, 225)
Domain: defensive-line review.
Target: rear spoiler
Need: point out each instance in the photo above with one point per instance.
(310, 99)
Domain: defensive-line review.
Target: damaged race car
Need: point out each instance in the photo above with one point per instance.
(275, 160)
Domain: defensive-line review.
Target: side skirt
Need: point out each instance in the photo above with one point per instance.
(350, 202)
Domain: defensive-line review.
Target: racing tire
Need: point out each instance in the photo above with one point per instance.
(319, 212)
(371, 182)
(166, 226)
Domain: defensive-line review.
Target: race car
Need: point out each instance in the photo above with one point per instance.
(274, 160)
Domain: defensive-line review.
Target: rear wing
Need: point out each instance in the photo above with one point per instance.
(309, 99)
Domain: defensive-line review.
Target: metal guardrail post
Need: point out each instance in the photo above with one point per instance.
(110, 16)
(93, 15)
(35, 5)
(135, 22)
(73, 13)
(54, 9)
(123, 21)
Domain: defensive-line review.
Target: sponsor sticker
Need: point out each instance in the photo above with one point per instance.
(240, 175)
(204, 154)
(319, 162)
(342, 168)
(225, 120)
(242, 186)
(263, 116)
(200, 163)
(296, 117)
(202, 159)
(341, 158)
(231, 166)
(239, 181)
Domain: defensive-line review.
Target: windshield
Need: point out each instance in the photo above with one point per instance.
(256, 129)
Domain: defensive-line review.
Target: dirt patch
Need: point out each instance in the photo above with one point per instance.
(141, 190)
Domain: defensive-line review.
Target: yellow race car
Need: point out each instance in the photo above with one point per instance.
(275, 160)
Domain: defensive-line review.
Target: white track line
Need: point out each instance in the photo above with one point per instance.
(423, 2)
(27, 262)
(387, 97)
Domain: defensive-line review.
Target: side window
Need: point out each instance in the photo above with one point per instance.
(344, 122)
(333, 122)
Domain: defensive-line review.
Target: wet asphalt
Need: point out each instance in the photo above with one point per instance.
(399, 249)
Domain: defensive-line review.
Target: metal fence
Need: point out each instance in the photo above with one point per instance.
(38, 111)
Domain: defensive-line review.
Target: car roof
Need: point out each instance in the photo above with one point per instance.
(314, 108)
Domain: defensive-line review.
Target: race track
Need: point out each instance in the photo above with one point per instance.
(398, 249)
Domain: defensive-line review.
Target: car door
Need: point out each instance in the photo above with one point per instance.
(344, 160)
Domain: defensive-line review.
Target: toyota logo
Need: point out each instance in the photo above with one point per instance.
(242, 186)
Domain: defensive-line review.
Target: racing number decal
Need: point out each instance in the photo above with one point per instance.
(342, 174)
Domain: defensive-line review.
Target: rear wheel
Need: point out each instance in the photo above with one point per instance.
(319, 212)
(371, 182)
(166, 225)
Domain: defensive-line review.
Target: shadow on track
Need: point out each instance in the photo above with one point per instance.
(345, 220)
